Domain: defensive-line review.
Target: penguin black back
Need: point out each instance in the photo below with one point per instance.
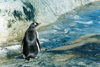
(31, 45)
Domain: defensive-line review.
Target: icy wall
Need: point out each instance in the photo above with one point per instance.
(47, 11)
(16, 15)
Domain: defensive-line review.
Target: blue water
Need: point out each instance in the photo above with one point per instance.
(59, 34)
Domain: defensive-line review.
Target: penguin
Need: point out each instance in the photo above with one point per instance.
(31, 45)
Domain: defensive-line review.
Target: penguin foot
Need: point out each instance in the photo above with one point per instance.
(27, 58)
(35, 57)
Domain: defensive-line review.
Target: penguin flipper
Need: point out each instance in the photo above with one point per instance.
(38, 43)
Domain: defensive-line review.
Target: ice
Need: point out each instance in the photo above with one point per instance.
(3, 52)
(88, 22)
(76, 17)
(10, 50)
(15, 47)
(66, 30)
(6, 5)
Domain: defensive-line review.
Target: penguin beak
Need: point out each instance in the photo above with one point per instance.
(39, 24)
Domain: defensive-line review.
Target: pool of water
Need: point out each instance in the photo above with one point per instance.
(85, 22)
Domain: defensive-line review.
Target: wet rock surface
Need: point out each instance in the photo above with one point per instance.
(71, 43)
(83, 52)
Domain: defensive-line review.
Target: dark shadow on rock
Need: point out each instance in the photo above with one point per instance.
(29, 11)
(88, 48)
(19, 57)
(12, 54)
(17, 14)
(93, 58)
(56, 52)
(95, 36)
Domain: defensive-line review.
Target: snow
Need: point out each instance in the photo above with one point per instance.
(10, 50)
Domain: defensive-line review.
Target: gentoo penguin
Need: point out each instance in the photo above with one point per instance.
(31, 45)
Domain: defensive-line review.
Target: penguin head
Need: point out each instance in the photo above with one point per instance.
(33, 25)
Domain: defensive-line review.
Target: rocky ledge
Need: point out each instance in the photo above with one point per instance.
(83, 51)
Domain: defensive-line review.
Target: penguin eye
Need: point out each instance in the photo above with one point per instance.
(35, 24)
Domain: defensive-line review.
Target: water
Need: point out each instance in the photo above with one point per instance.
(86, 22)
(60, 34)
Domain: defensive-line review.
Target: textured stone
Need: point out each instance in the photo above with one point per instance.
(16, 15)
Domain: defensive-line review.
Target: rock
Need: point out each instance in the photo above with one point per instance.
(16, 15)
(10, 51)
(87, 40)
(85, 48)
(49, 11)
(82, 52)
